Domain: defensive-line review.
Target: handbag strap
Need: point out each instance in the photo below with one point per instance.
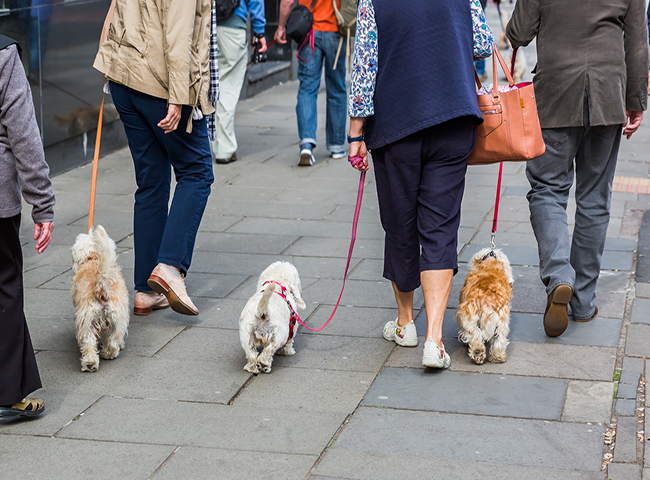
(495, 78)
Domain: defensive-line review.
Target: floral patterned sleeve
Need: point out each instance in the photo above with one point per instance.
(364, 65)
(483, 38)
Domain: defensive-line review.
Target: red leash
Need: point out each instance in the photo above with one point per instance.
(496, 208)
(355, 161)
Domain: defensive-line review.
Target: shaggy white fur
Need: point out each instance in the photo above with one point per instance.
(100, 298)
(264, 321)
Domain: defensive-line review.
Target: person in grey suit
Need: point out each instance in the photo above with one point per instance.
(591, 83)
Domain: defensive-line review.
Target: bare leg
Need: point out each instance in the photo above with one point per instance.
(404, 305)
(436, 285)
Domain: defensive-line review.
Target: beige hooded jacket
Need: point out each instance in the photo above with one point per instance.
(161, 48)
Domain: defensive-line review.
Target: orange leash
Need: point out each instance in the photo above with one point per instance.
(93, 184)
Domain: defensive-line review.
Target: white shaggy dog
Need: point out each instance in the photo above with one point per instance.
(100, 298)
(483, 314)
(266, 319)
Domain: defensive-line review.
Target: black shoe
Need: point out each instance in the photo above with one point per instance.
(224, 161)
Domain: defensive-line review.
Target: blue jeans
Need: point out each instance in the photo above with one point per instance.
(309, 74)
(163, 235)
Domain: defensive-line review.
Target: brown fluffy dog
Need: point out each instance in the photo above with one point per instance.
(100, 298)
(483, 314)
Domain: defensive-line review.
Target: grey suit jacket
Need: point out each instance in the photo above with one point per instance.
(594, 46)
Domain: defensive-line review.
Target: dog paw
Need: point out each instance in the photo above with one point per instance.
(287, 352)
(109, 354)
(477, 355)
(251, 368)
(89, 365)
(499, 357)
(265, 368)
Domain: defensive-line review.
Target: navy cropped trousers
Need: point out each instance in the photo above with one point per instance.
(163, 233)
(420, 184)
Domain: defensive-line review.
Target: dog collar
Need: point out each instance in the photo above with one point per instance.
(489, 254)
(294, 316)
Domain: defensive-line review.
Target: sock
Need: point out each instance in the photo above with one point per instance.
(172, 270)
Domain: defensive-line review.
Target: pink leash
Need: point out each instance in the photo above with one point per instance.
(355, 161)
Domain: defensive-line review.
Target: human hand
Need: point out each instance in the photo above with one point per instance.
(632, 122)
(43, 233)
(280, 35)
(263, 46)
(358, 149)
(170, 122)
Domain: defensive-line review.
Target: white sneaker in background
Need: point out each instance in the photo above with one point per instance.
(434, 356)
(306, 157)
(338, 155)
(406, 336)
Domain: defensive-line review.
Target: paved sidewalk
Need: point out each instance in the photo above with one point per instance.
(177, 403)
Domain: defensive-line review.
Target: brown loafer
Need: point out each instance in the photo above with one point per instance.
(146, 303)
(163, 280)
(583, 320)
(556, 319)
(28, 407)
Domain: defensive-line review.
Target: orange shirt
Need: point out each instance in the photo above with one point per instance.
(324, 19)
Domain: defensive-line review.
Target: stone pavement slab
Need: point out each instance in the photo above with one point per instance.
(208, 463)
(340, 464)
(588, 402)
(78, 459)
(471, 438)
(511, 396)
(531, 359)
(638, 340)
(640, 311)
(624, 471)
(625, 449)
(273, 428)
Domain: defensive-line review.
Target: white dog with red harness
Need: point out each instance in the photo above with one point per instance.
(268, 320)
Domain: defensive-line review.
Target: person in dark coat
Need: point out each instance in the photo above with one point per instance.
(416, 99)
(591, 83)
(21, 158)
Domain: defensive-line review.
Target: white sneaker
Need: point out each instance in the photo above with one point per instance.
(306, 158)
(338, 155)
(406, 336)
(434, 356)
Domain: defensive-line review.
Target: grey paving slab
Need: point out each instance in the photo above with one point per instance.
(624, 471)
(316, 389)
(625, 449)
(336, 353)
(620, 244)
(625, 407)
(525, 327)
(206, 463)
(638, 340)
(626, 390)
(630, 376)
(345, 213)
(359, 293)
(532, 359)
(632, 364)
(368, 269)
(266, 429)
(78, 459)
(443, 436)
(232, 263)
(322, 267)
(642, 290)
(40, 302)
(640, 311)
(511, 396)
(352, 321)
(214, 222)
(309, 228)
(336, 247)
(363, 465)
(38, 276)
(58, 334)
(267, 209)
(203, 365)
(588, 402)
(243, 243)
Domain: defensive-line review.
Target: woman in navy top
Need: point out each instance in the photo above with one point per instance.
(413, 92)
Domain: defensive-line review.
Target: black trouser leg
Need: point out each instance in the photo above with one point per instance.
(18, 371)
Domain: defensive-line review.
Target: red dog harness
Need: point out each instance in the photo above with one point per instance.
(294, 316)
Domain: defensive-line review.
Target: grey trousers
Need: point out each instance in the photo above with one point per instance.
(593, 152)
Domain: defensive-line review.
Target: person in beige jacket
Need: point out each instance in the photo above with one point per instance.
(155, 55)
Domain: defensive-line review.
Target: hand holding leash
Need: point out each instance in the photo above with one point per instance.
(359, 156)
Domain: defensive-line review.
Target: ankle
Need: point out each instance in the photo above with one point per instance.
(402, 322)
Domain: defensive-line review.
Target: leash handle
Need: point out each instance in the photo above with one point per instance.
(355, 221)
(93, 183)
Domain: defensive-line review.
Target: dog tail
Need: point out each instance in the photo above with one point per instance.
(263, 306)
(105, 250)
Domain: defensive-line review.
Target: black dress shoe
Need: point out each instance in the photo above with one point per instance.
(223, 161)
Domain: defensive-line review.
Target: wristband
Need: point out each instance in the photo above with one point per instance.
(355, 139)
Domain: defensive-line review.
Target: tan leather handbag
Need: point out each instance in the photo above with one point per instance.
(510, 131)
